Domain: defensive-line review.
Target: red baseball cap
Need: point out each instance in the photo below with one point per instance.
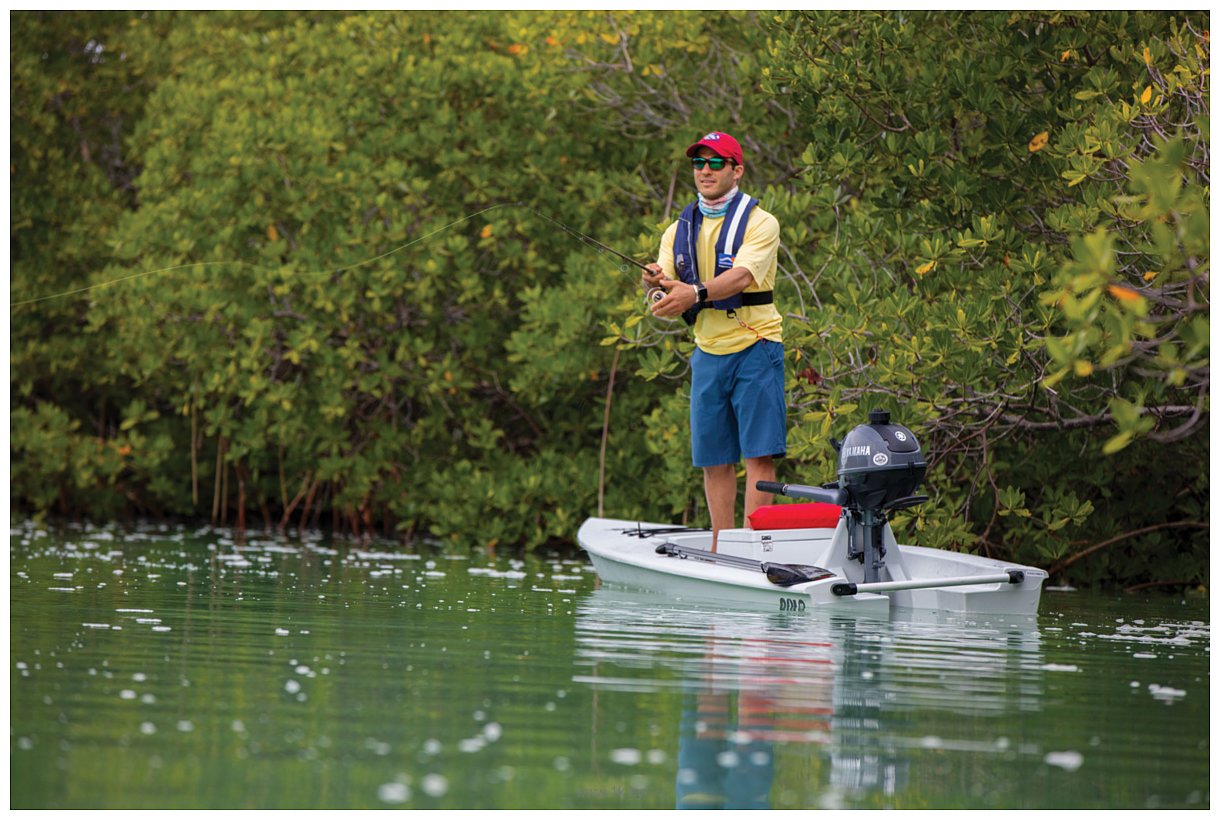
(722, 144)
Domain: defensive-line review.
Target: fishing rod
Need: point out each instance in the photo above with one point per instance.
(586, 238)
(654, 294)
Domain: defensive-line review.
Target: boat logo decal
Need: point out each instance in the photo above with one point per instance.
(901, 436)
(856, 451)
(881, 459)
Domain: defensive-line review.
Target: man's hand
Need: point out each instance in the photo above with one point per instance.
(652, 279)
(679, 298)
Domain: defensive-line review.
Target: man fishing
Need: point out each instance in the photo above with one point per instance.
(717, 268)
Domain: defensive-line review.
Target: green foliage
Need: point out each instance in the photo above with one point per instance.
(981, 195)
(326, 285)
(323, 324)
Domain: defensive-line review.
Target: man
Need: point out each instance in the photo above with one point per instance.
(717, 268)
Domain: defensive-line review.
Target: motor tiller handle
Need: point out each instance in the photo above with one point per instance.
(823, 494)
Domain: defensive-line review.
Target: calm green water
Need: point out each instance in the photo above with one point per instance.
(170, 669)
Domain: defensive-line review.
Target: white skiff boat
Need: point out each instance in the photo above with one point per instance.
(856, 565)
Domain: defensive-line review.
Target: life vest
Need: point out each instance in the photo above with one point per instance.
(732, 234)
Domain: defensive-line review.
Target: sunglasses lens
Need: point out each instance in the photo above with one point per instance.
(715, 164)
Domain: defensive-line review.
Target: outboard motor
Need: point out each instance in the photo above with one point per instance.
(880, 463)
(880, 468)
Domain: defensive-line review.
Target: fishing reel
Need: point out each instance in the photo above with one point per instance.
(653, 296)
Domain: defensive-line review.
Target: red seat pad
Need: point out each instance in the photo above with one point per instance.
(795, 516)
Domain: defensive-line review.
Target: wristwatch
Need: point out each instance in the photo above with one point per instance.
(700, 293)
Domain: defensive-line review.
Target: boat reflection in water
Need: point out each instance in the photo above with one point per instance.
(801, 711)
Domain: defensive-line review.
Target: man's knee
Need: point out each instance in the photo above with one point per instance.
(762, 464)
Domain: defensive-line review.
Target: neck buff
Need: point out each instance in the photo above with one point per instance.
(716, 207)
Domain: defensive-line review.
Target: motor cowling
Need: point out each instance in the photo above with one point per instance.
(880, 463)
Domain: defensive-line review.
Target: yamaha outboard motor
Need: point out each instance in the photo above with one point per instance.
(880, 463)
(880, 468)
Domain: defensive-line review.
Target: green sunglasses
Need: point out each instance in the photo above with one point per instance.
(715, 163)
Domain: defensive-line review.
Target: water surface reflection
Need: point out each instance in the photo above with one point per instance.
(837, 711)
(161, 668)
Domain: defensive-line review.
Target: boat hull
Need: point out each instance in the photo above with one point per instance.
(624, 553)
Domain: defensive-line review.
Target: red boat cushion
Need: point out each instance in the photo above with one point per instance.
(795, 516)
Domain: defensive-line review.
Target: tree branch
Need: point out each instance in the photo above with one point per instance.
(1071, 559)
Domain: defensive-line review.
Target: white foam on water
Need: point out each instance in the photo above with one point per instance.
(626, 757)
(1061, 667)
(1165, 693)
(360, 555)
(1068, 761)
(471, 744)
(434, 785)
(393, 793)
(494, 573)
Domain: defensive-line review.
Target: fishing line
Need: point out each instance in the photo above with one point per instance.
(582, 237)
(238, 263)
(116, 281)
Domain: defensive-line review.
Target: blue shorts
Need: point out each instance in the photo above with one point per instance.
(737, 405)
